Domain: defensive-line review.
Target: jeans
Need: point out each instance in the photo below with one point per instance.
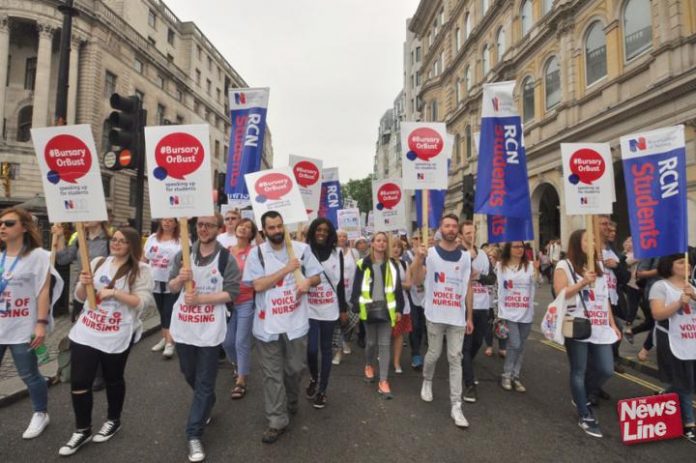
(320, 337)
(28, 369)
(282, 364)
(84, 364)
(378, 335)
(472, 344)
(602, 367)
(418, 324)
(200, 368)
(519, 332)
(237, 343)
(165, 306)
(455, 340)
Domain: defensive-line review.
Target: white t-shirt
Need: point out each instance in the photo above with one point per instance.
(516, 290)
(682, 323)
(160, 256)
(227, 240)
(482, 265)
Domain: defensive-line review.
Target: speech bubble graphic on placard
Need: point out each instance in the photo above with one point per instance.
(67, 158)
(586, 165)
(424, 143)
(272, 186)
(388, 196)
(306, 173)
(177, 155)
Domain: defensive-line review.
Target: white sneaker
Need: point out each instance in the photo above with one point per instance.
(427, 391)
(336, 358)
(346, 348)
(458, 416)
(168, 350)
(196, 452)
(159, 346)
(38, 423)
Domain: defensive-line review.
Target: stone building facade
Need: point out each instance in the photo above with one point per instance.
(131, 47)
(586, 70)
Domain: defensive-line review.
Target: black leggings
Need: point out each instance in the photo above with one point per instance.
(83, 369)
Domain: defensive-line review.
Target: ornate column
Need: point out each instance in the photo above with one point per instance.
(4, 56)
(43, 75)
(72, 83)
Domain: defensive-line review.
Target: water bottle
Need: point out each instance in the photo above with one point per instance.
(41, 353)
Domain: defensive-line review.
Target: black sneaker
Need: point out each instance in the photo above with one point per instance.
(470, 395)
(107, 431)
(690, 434)
(311, 390)
(319, 400)
(271, 435)
(590, 425)
(77, 440)
(602, 394)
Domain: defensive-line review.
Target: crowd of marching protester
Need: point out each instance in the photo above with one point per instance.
(303, 303)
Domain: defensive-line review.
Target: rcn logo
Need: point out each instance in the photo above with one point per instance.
(637, 144)
(240, 98)
(507, 284)
(588, 295)
(496, 103)
(685, 310)
(439, 277)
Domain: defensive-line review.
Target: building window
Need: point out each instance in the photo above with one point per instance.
(467, 26)
(109, 84)
(106, 183)
(433, 111)
(138, 66)
(441, 16)
(210, 64)
(526, 17)
(208, 86)
(140, 95)
(485, 4)
(457, 39)
(198, 77)
(418, 79)
(133, 197)
(457, 150)
(29, 74)
(160, 81)
(179, 95)
(637, 22)
(527, 99)
(151, 18)
(159, 116)
(170, 36)
(430, 39)
(467, 78)
(105, 143)
(24, 123)
(595, 53)
(418, 54)
(217, 149)
(552, 82)
(218, 94)
(458, 91)
(197, 108)
(441, 62)
(467, 135)
(546, 6)
(199, 52)
(179, 119)
(219, 74)
(500, 43)
(486, 60)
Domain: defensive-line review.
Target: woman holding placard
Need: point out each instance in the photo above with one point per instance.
(237, 343)
(673, 305)
(159, 251)
(404, 325)
(103, 335)
(588, 343)
(516, 288)
(24, 306)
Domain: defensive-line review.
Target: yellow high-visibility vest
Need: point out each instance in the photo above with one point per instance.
(389, 291)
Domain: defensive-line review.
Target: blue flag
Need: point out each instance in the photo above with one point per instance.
(654, 165)
(436, 204)
(248, 116)
(502, 186)
(503, 229)
(331, 198)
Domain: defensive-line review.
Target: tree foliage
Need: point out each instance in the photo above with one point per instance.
(360, 191)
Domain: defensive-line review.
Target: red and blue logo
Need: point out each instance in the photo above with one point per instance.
(240, 98)
(69, 204)
(174, 200)
(495, 101)
(588, 295)
(507, 284)
(440, 277)
(685, 310)
(637, 144)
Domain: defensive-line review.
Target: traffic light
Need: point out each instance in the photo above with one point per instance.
(468, 196)
(126, 136)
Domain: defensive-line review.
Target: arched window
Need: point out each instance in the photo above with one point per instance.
(485, 60)
(458, 91)
(457, 39)
(467, 134)
(546, 6)
(637, 22)
(500, 43)
(467, 78)
(552, 82)
(467, 25)
(527, 99)
(595, 53)
(24, 123)
(526, 17)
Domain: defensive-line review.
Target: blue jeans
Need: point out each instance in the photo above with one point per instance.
(320, 337)
(602, 359)
(28, 369)
(519, 332)
(200, 367)
(237, 343)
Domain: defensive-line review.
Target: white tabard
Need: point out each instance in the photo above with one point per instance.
(111, 326)
(446, 284)
(160, 255)
(516, 290)
(481, 265)
(201, 325)
(610, 276)
(682, 325)
(322, 299)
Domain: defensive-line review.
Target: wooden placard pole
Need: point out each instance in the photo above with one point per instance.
(425, 216)
(599, 239)
(686, 267)
(291, 255)
(84, 258)
(185, 249)
(54, 247)
(589, 229)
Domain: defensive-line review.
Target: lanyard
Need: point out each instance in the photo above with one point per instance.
(6, 277)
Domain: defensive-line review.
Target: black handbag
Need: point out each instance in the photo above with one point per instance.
(578, 328)
(377, 312)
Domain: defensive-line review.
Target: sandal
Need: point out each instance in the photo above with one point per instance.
(238, 391)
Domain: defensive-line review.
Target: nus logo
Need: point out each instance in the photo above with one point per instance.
(637, 144)
(174, 200)
(69, 204)
(584, 200)
(439, 277)
(240, 98)
(420, 176)
(496, 104)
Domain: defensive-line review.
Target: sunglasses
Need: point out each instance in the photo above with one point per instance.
(229, 219)
(207, 226)
(8, 223)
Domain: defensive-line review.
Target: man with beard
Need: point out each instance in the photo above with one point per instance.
(448, 309)
(199, 322)
(281, 319)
